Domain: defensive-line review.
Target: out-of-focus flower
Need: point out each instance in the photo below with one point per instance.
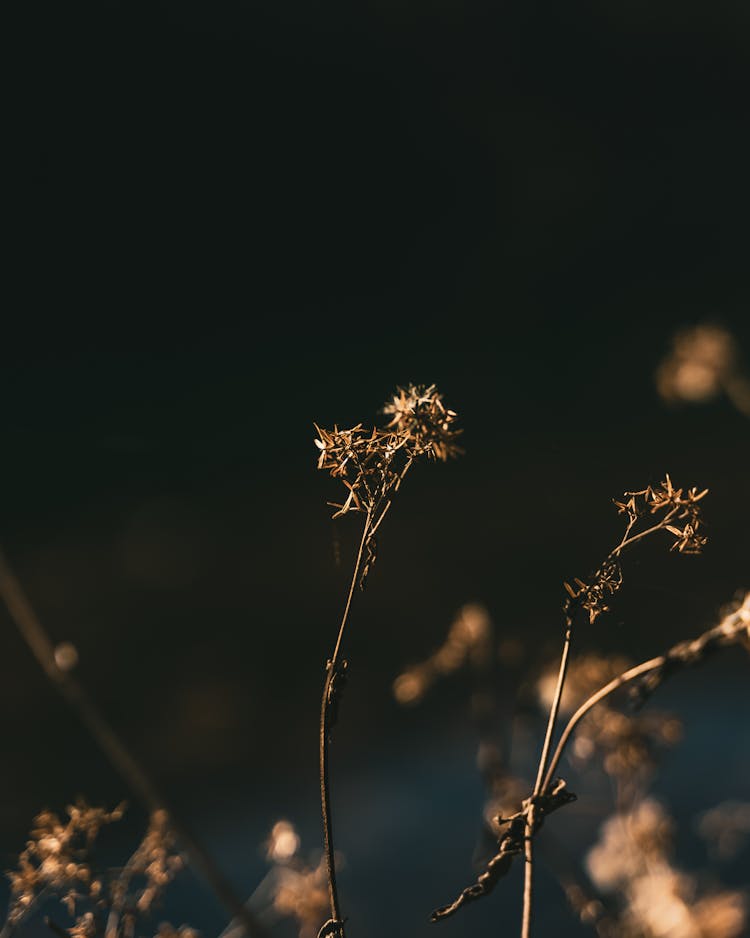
(283, 842)
(303, 895)
(632, 860)
(703, 363)
(66, 656)
(56, 857)
(585, 675)
(295, 886)
(469, 641)
(627, 744)
(696, 369)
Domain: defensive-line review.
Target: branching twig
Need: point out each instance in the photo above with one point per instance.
(680, 517)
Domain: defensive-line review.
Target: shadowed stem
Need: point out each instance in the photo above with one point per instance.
(40, 644)
(528, 881)
(329, 692)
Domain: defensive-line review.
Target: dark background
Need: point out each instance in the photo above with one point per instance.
(230, 220)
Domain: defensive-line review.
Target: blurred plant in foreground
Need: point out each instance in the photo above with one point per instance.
(632, 861)
(294, 889)
(58, 863)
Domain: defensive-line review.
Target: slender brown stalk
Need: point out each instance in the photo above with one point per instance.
(329, 692)
(528, 877)
(132, 773)
(528, 882)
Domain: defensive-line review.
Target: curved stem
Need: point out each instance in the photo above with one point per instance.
(581, 712)
(325, 727)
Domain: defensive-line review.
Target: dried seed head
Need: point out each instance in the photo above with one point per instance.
(680, 517)
(372, 463)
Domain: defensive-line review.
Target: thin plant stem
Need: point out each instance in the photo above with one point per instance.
(34, 634)
(528, 881)
(555, 708)
(325, 714)
(528, 831)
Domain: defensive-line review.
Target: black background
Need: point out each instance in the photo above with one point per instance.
(230, 220)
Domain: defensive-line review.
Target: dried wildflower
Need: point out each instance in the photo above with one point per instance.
(372, 463)
(680, 516)
(419, 416)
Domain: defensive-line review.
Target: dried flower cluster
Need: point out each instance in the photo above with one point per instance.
(655, 508)
(372, 463)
